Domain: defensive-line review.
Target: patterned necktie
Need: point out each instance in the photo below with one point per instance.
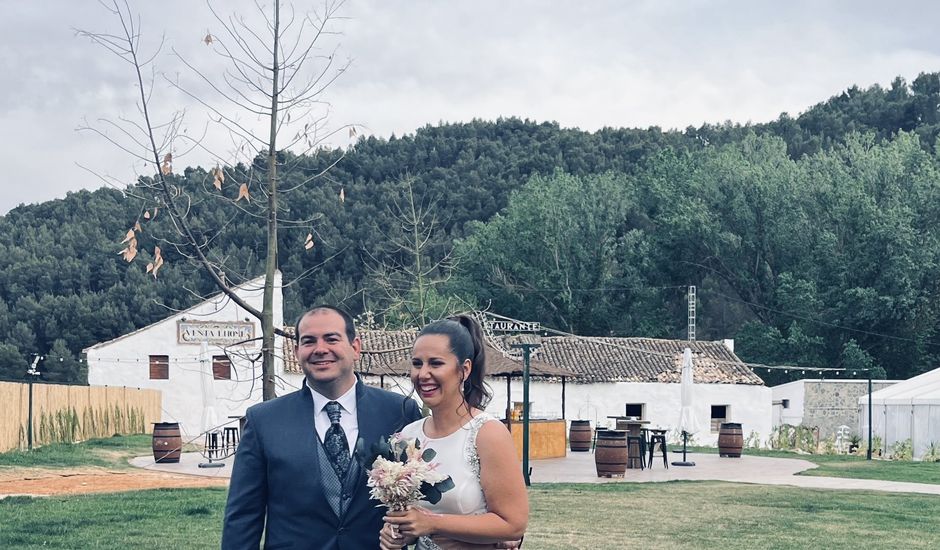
(337, 448)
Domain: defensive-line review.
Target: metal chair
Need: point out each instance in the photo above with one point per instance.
(657, 437)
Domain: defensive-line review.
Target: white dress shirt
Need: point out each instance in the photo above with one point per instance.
(347, 419)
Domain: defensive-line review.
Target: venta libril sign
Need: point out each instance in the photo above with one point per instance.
(214, 332)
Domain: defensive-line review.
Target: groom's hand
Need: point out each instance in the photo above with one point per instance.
(391, 539)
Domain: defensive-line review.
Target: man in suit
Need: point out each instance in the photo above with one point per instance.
(296, 477)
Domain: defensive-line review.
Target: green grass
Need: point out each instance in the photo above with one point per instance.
(706, 515)
(165, 518)
(857, 467)
(109, 452)
(695, 515)
(106, 452)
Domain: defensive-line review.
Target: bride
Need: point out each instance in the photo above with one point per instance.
(489, 503)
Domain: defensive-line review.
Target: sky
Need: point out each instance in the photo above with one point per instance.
(585, 64)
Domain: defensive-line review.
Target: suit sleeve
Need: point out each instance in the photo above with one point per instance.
(247, 494)
(412, 412)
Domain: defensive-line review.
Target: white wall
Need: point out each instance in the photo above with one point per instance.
(795, 392)
(125, 362)
(749, 405)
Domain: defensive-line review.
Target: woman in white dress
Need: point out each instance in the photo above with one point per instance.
(488, 503)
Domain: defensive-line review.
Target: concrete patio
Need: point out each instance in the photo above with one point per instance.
(579, 468)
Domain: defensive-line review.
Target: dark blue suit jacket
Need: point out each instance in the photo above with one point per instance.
(275, 484)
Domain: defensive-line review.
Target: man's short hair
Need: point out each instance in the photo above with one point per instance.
(347, 318)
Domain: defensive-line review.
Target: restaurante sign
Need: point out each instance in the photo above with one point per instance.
(512, 326)
(214, 332)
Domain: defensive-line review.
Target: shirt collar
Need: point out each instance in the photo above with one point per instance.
(347, 401)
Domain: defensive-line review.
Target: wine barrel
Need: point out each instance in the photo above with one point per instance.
(730, 439)
(167, 442)
(610, 453)
(579, 435)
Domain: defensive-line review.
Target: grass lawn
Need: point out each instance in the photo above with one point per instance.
(855, 466)
(109, 452)
(695, 515)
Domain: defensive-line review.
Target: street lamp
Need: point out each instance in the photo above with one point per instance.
(32, 374)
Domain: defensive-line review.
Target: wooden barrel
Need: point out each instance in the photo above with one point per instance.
(610, 453)
(167, 442)
(579, 435)
(730, 439)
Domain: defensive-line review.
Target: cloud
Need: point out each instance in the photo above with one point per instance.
(587, 65)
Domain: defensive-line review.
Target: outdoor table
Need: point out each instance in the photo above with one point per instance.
(632, 426)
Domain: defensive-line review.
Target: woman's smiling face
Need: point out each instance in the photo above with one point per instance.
(434, 371)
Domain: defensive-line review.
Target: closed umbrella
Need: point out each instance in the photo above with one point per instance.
(210, 416)
(688, 423)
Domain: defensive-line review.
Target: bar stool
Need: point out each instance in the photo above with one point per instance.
(212, 444)
(635, 455)
(230, 438)
(658, 437)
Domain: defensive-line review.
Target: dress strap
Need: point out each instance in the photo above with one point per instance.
(470, 448)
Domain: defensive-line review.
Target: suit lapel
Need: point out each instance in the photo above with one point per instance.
(369, 429)
(311, 441)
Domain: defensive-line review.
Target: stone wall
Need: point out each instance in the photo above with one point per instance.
(829, 404)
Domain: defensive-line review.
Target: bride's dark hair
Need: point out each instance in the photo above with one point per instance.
(466, 342)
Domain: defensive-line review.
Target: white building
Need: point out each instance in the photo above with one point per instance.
(205, 360)
(908, 411)
(617, 377)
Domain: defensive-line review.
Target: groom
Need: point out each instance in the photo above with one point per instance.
(295, 476)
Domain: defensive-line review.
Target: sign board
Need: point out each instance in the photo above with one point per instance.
(512, 326)
(214, 332)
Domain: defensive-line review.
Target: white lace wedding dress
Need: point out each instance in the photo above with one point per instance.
(457, 457)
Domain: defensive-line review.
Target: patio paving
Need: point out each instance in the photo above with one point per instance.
(579, 468)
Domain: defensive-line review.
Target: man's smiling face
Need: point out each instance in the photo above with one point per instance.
(325, 353)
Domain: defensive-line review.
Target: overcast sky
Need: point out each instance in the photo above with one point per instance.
(585, 64)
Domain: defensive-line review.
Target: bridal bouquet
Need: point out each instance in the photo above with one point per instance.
(401, 474)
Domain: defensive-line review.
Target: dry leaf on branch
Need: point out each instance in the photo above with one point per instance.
(154, 266)
(167, 168)
(155, 210)
(243, 193)
(308, 243)
(342, 194)
(137, 226)
(352, 131)
(218, 177)
(146, 214)
(208, 39)
(128, 236)
(130, 252)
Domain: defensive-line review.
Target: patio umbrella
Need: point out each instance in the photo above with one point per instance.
(210, 416)
(688, 423)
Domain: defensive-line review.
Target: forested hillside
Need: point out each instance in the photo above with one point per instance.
(813, 240)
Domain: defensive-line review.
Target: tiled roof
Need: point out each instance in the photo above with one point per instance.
(591, 359)
(599, 359)
(381, 350)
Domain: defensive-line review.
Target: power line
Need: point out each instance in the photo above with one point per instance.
(826, 323)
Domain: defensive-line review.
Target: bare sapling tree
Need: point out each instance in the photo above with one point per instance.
(408, 279)
(265, 98)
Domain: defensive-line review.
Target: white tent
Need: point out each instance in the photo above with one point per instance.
(906, 410)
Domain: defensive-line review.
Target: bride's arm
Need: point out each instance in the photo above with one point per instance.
(504, 488)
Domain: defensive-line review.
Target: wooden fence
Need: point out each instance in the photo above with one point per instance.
(73, 413)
